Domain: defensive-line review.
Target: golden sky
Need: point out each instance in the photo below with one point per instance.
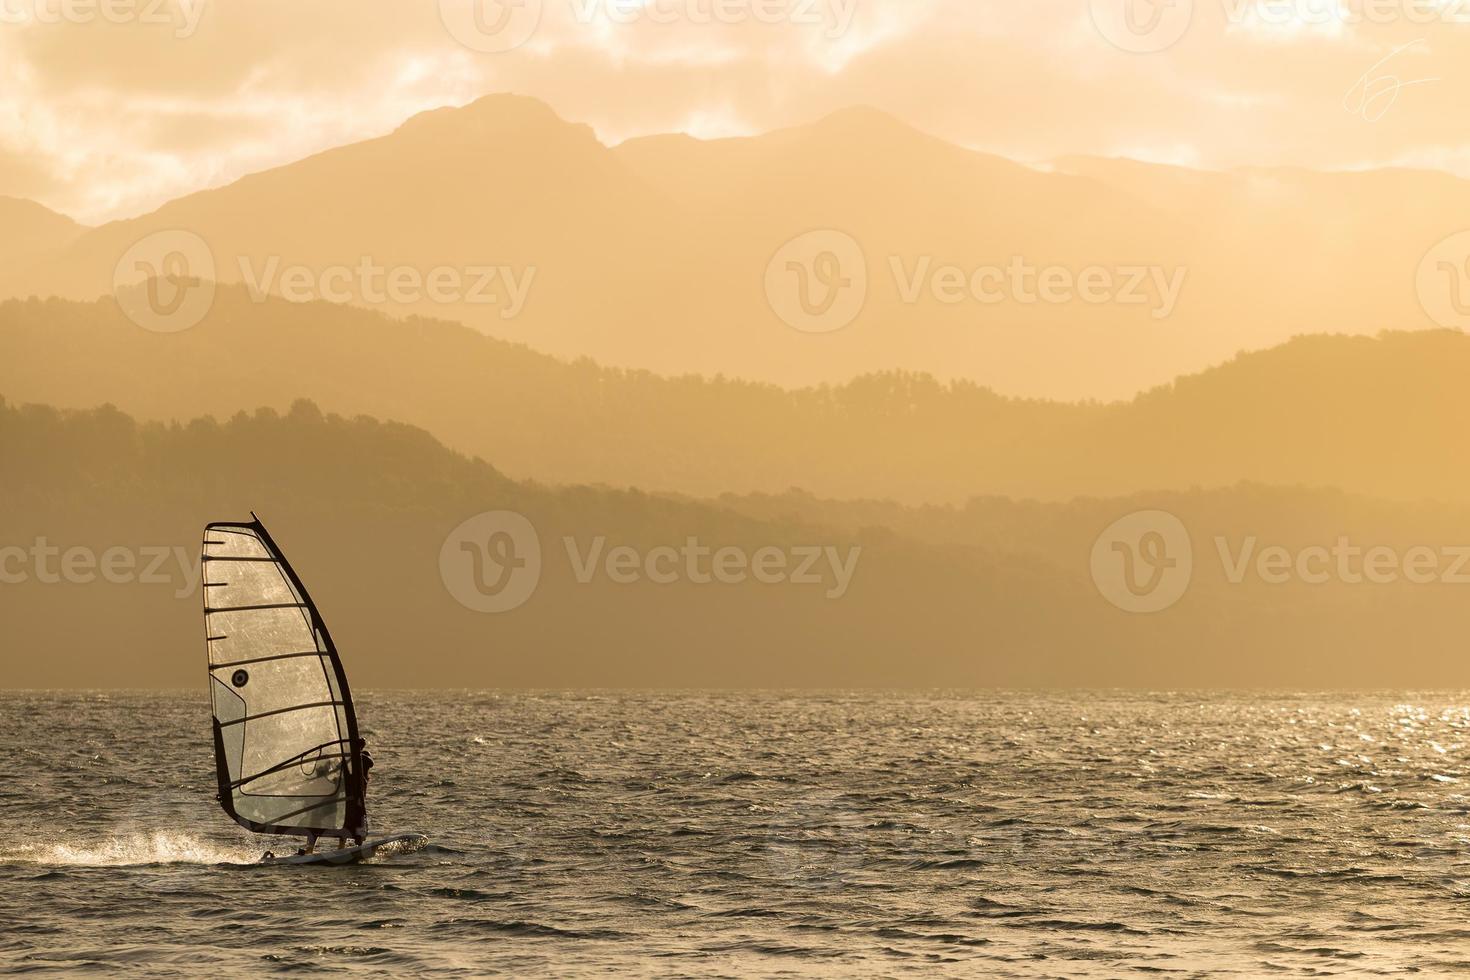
(111, 107)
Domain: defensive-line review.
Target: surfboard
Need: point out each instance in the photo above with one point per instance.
(289, 756)
(349, 855)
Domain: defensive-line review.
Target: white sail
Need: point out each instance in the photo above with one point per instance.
(286, 742)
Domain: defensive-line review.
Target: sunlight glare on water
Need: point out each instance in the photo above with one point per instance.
(995, 834)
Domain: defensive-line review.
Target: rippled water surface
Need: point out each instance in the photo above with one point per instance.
(762, 835)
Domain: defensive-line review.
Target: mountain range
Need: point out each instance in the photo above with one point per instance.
(1381, 416)
(672, 254)
(103, 515)
(776, 342)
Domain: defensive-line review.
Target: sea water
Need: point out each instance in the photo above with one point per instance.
(768, 834)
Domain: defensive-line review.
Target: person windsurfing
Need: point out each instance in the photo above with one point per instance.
(289, 756)
(367, 777)
(359, 838)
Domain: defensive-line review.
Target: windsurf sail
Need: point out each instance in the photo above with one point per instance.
(286, 742)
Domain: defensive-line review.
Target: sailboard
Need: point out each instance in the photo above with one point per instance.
(345, 855)
(288, 752)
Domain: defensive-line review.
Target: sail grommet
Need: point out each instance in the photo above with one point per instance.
(240, 678)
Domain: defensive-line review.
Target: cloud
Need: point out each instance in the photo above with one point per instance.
(103, 120)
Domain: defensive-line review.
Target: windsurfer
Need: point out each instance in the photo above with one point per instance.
(367, 775)
(360, 837)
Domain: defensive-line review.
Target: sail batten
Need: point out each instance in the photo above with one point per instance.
(287, 748)
(262, 660)
(211, 558)
(285, 765)
(256, 608)
(281, 711)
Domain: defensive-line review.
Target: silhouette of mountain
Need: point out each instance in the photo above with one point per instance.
(1093, 278)
(1379, 416)
(32, 230)
(103, 519)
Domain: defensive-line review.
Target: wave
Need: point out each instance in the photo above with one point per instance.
(131, 850)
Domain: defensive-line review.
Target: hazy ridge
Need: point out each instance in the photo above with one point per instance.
(996, 593)
(653, 254)
(30, 230)
(1369, 415)
(647, 353)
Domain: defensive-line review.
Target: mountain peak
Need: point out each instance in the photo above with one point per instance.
(17, 207)
(862, 119)
(33, 228)
(499, 112)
